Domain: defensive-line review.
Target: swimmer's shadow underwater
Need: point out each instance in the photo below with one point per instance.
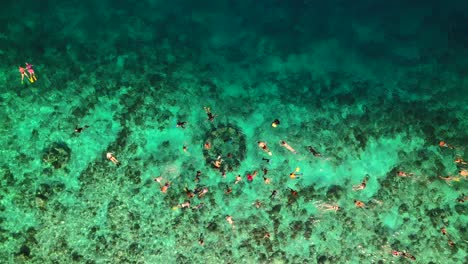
(225, 147)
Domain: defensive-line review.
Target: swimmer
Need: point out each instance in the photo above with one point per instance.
(273, 194)
(326, 207)
(293, 192)
(293, 175)
(184, 148)
(203, 192)
(198, 207)
(189, 193)
(183, 205)
(197, 176)
(32, 75)
(265, 171)
(361, 186)
(264, 146)
(201, 240)
(238, 179)
(80, 129)
(404, 174)
(209, 114)
(359, 204)
(229, 220)
(460, 161)
(266, 180)
(217, 162)
(251, 177)
(462, 198)
(313, 151)
(181, 124)
(449, 179)
(287, 146)
(443, 144)
(275, 123)
(228, 190)
(257, 204)
(23, 73)
(267, 235)
(267, 160)
(163, 187)
(463, 172)
(110, 156)
(207, 145)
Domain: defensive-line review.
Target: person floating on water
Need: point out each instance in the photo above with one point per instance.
(313, 151)
(362, 185)
(443, 144)
(181, 124)
(460, 161)
(251, 177)
(238, 179)
(404, 174)
(275, 123)
(326, 207)
(293, 175)
(287, 146)
(110, 156)
(229, 220)
(32, 75)
(23, 73)
(164, 186)
(264, 146)
(210, 115)
(80, 129)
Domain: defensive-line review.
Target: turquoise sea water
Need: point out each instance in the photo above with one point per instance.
(373, 86)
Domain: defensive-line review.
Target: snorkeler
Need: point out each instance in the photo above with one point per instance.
(326, 207)
(275, 123)
(32, 75)
(181, 124)
(197, 176)
(229, 220)
(80, 129)
(23, 73)
(228, 190)
(217, 163)
(362, 185)
(188, 192)
(293, 175)
(359, 204)
(404, 174)
(251, 177)
(163, 187)
(264, 146)
(201, 240)
(287, 146)
(110, 156)
(293, 192)
(460, 161)
(443, 144)
(238, 179)
(209, 114)
(313, 151)
(267, 160)
(273, 194)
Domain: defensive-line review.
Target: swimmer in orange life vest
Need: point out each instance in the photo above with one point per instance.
(287, 146)
(264, 146)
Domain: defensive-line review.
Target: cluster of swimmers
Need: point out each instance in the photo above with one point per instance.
(200, 191)
(27, 72)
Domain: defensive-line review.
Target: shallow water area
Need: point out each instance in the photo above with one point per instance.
(371, 105)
